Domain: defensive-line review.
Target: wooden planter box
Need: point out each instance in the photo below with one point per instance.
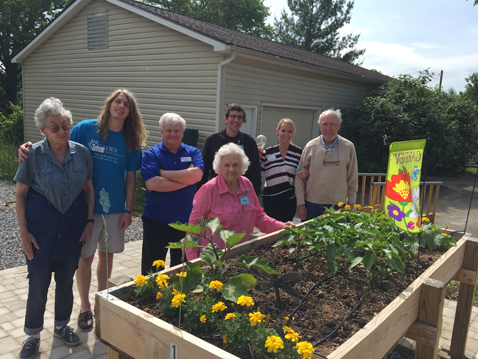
(416, 314)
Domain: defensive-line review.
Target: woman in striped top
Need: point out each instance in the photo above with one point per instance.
(280, 164)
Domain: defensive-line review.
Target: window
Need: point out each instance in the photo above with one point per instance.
(98, 30)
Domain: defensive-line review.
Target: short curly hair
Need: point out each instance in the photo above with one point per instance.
(51, 107)
(230, 149)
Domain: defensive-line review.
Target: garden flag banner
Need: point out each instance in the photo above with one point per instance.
(402, 188)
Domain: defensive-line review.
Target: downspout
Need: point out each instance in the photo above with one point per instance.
(219, 89)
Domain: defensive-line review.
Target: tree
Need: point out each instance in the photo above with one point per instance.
(471, 88)
(314, 26)
(248, 16)
(406, 108)
(20, 22)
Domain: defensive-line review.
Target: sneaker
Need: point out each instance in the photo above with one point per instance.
(85, 321)
(31, 347)
(68, 335)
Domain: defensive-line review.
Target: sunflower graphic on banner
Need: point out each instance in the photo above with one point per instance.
(402, 188)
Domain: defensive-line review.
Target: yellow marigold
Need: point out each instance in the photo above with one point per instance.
(159, 263)
(306, 349)
(273, 343)
(425, 220)
(219, 306)
(182, 274)
(288, 329)
(215, 284)
(348, 207)
(294, 337)
(245, 300)
(341, 209)
(230, 316)
(357, 206)
(255, 318)
(445, 234)
(140, 280)
(161, 281)
(176, 292)
(370, 207)
(447, 226)
(224, 338)
(203, 319)
(159, 295)
(341, 204)
(286, 319)
(177, 300)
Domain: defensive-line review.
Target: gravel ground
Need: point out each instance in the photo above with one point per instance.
(11, 253)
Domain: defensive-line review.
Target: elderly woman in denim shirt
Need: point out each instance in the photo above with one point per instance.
(54, 205)
(231, 197)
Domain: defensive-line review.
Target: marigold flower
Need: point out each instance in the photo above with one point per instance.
(182, 274)
(287, 329)
(341, 204)
(177, 300)
(203, 319)
(341, 209)
(219, 306)
(273, 343)
(425, 220)
(357, 206)
(230, 316)
(224, 338)
(140, 280)
(306, 349)
(447, 226)
(159, 263)
(245, 300)
(445, 234)
(215, 284)
(293, 336)
(159, 295)
(255, 318)
(348, 207)
(161, 281)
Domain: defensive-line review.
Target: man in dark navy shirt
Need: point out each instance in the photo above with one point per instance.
(235, 117)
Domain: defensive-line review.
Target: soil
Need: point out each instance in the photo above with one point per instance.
(332, 299)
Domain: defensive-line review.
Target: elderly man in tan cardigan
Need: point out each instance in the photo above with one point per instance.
(332, 164)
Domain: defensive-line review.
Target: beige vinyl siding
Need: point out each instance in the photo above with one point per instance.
(259, 82)
(167, 71)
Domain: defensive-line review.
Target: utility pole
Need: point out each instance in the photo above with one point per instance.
(441, 78)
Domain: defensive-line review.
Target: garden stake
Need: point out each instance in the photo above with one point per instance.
(420, 236)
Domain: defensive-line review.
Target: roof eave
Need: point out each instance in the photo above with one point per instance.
(56, 24)
(218, 45)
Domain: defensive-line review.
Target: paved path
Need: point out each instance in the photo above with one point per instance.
(13, 295)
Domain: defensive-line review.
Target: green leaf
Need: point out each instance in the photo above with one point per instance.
(235, 238)
(238, 286)
(225, 234)
(394, 261)
(214, 224)
(193, 277)
(208, 255)
(186, 227)
(248, 261)
(368, 260)
(355, 261)
(268, 269)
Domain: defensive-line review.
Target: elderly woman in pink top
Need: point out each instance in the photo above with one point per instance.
(231, 197)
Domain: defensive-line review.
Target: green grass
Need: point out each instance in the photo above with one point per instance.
(452, 290)
(471, 170)
(139, 198)
(8, 161)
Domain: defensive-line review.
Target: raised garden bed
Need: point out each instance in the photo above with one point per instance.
(141, 335)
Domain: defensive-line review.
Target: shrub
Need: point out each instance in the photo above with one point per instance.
(11, 126)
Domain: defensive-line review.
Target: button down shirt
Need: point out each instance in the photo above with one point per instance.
(215, 199)
(331, 147)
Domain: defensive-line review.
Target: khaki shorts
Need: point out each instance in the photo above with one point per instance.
(97, 241)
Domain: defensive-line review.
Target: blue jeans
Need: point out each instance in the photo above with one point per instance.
(314, 209)
(39, 282)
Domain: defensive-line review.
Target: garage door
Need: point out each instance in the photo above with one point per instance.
(303, 119)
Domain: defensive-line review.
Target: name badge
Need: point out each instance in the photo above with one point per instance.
(241, 147)
(98, 148)
(244, 200)
(271, 158)
(186, 159)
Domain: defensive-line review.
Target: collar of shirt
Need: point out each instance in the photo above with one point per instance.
(162, 147)
(331, 147)
(224, 188)
(45, 150)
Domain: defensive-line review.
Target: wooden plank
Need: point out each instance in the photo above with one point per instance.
(422, 333)
(465, 276)
(362, 196)
(464, 304)
(390, 325)
(430, 313)
(435, 203)
(140, 335)
(113, 354)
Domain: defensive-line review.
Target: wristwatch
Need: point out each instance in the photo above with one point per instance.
(90, 220)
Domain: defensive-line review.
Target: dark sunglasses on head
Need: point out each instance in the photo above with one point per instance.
(55, 128)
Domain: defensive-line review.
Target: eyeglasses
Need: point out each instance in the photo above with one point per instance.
(329, 162)
(54, 128)
(233, 117)
(173, 132)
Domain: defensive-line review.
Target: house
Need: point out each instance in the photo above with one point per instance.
(175, 63)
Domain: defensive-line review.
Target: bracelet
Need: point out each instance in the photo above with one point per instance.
(126, 211)
(90, 220)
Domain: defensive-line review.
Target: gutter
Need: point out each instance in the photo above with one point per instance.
(219, 89)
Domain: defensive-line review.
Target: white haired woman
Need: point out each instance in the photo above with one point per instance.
(231, 197)
(54, 205)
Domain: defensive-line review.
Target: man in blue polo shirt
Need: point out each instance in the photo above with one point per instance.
(170, 171)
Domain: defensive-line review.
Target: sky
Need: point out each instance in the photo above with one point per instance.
(406, 37)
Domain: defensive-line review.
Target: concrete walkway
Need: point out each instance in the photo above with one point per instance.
(13, 296)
